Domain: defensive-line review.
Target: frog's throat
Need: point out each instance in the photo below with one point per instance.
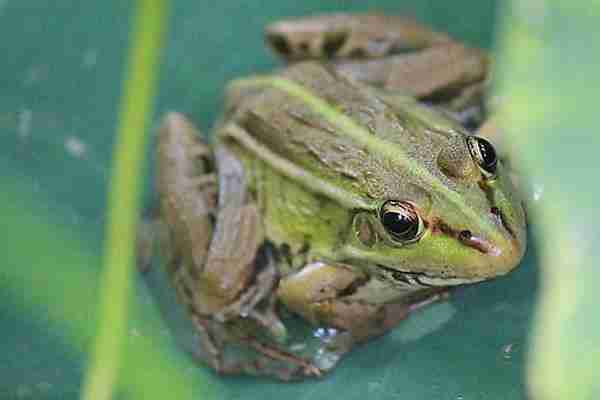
(349, 127)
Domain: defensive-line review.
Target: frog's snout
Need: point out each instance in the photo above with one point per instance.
(507, 251)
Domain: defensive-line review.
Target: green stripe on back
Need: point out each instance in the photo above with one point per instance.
(347, 126)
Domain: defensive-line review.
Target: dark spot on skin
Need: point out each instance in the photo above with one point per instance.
(187, 291)
(304, 47)
(194, 272)
(353, 287)
(304, 249)
(358, 52)
(285, 253)
(212, 218)
(333, 43)
(279, 43)
(404, 276)
(266, 254)
(465, 235)
(175, 264)
(399, 276)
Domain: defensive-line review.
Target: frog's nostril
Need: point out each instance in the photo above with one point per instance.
(465, 235)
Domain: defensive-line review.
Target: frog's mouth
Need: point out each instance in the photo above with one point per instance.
(422, 279)
(465, 237)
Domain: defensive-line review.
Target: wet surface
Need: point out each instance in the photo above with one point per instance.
(57, 118)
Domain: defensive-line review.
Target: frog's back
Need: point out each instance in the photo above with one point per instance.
(303, 115)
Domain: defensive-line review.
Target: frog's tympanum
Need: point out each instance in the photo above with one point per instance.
(345, 190)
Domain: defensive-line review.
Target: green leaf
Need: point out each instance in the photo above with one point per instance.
(549, 55)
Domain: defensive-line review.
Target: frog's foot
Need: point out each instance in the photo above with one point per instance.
(245, 335)
(372, 48)
(305, 368)
(233, 348)
(257, 303)
(348, 36)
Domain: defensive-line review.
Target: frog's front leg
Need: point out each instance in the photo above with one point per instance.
(372, 48)
(335, 295)
(221, 267)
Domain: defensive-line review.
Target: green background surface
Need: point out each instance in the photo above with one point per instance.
(59, 91)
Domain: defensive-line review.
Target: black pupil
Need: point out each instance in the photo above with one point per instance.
(488, 155)
(402, 225)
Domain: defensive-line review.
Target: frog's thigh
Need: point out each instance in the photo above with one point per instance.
(211, 266)
(325, 294)
(348, 36)
(446, 66)
(187, 192)
(237, 236)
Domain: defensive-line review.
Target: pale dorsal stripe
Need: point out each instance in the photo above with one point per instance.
(291, 170)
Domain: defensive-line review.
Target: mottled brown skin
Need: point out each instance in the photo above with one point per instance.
(234, 264)
(373, 48)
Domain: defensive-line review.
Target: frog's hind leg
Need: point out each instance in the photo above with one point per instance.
(187, 188)
(348, 36)
(392, 52)
(238, 343)
(239, 279)
(222, 269)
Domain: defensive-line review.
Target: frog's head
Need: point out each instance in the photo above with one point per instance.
(412, 194)
(457, 220)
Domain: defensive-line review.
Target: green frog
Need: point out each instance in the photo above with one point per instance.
(343, 190)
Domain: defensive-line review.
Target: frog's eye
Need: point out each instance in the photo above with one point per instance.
(401, 221)
(484, 155)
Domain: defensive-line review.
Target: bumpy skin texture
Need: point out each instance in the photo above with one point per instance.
(283, 213)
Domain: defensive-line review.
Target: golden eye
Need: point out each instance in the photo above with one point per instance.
(401, 221)
(484, 155)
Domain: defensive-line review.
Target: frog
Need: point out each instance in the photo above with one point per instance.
(348, 189)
